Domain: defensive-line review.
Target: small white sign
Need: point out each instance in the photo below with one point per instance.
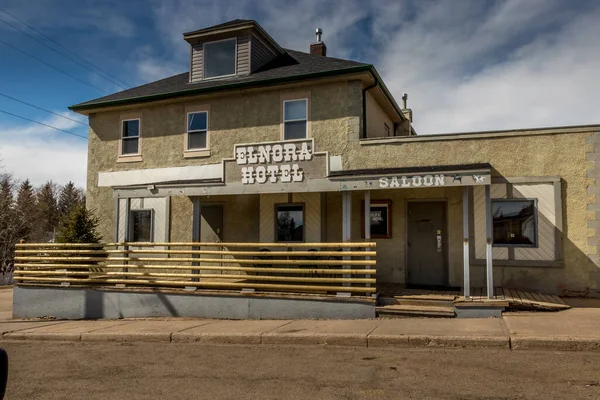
(414, 181)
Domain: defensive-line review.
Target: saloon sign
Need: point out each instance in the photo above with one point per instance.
(277, 162)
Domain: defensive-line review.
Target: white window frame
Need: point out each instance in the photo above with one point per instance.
(204, 77)
(305, 119)
(139, 137)
(187, 136)
(130, 233)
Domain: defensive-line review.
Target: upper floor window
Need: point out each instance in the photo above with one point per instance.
(295, 120)
(197, 130)
(220, 58)
(130, 137)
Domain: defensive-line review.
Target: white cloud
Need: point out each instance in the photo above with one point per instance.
(34, 152)
(467, 65)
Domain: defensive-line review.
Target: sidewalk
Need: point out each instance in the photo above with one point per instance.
(575, 329)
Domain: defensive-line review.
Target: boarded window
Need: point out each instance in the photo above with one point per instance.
(140, 226)
(130, 137)
(289, 223)
(295, 117)
(219, 58)
(515, 223)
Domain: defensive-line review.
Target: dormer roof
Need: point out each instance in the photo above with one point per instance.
(230, 27)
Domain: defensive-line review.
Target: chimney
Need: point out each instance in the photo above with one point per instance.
(318, 48)
(406, 111)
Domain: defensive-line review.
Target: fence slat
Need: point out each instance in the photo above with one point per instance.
(319, 268)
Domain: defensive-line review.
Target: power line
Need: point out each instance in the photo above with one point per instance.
(41, 123)
(63, 47)
(40, 108)
(62, 54)
(53, 67)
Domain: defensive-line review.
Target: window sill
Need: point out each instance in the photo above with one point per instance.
(128, 159)
(196, 153)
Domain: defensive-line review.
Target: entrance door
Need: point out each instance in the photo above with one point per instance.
(427, 243)
(211, 223)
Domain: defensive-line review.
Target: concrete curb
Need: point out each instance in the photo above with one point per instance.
(347, 340)
(555, 343)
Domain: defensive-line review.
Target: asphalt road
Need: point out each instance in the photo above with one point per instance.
(56, 370)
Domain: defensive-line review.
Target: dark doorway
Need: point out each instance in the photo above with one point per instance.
(211, 223)
(426, 245)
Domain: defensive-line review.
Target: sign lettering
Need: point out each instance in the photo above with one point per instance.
(260, 162)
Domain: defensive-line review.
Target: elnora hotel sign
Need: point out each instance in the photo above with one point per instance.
(273, 162)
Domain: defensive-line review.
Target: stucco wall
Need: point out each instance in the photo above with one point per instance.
(335, 125)
(562, 155)
(376, 118)
(234, 118)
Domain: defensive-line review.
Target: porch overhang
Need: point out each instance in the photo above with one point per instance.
(208, 181)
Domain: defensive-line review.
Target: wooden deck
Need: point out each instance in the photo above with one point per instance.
(511, 298)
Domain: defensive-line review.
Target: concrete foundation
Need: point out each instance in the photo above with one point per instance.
(83, 303)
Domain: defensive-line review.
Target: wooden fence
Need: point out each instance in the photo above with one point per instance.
(319, 268)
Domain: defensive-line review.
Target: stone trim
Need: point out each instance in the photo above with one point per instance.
(593, 188)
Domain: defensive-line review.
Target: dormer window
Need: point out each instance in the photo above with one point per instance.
(220, 58)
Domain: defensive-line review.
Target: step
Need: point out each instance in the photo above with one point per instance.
(395, 311)
(390, 301)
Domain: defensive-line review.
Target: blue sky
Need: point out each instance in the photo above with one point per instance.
(467, 65)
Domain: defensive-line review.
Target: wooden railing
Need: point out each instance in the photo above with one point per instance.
(320, 268)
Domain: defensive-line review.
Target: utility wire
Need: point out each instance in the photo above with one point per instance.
(62, 54)
(46, 125)
(63, 47)
(53, 67)
(40, 108)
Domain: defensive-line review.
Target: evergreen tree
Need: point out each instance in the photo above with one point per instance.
(47, 212)
(9, 222)
(69, 198)
(26, 209)
(80, 227)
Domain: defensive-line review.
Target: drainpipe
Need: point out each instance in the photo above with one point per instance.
(364, 101)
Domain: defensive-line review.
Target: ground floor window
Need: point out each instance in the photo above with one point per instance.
(380, 219)
(140, 226)
(515, 223)
(289, 222)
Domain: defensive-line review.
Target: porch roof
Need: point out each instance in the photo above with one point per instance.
(457, 168)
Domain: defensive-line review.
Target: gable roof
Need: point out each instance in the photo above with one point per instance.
(288, 67)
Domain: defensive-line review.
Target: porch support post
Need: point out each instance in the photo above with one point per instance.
(346, 230)
(488, 243)
(467, 269)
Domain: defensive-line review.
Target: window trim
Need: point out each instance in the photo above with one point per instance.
(130, 227)
(235, 56)
(536, 243)
(290, 96)
(296, 204)
(187, 139)
(295, 120)
(122, 138)
(377, 202)
(191, 153)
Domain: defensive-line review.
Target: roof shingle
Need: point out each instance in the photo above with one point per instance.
(289, 65)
